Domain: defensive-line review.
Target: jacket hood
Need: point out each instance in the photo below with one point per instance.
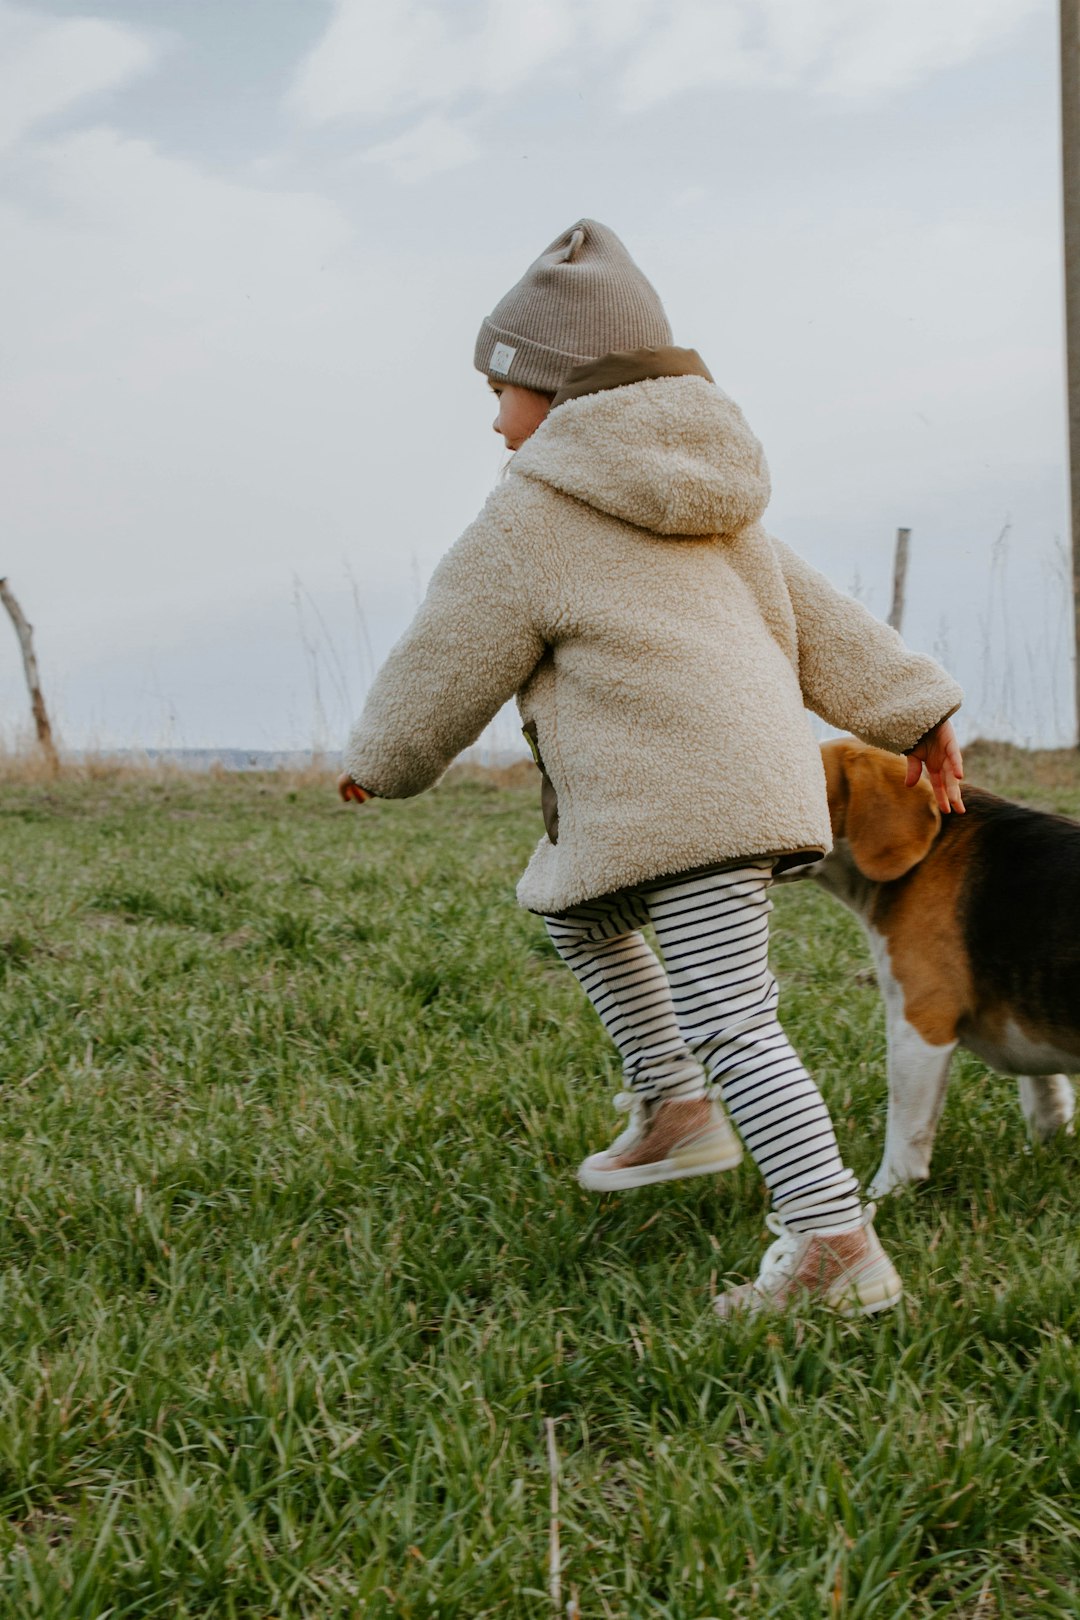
(673, 455)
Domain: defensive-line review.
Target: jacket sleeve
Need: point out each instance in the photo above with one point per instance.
(855, 671)
(472, 644)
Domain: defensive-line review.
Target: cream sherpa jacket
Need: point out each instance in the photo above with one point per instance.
(619, 581)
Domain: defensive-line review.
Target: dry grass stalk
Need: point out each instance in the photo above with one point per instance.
(554, 1549)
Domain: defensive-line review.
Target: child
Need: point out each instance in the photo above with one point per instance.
(662, 648)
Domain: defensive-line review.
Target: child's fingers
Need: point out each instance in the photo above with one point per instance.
(952, 788)
(351, 791)
(953, 758)
(954, 771)
(935, 772)
(914, 770)
(946, 788)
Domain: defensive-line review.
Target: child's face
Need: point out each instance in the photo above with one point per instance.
(521, 411)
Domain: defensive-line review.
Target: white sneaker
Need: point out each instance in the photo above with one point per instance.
(664, 1141)
(848, 1272)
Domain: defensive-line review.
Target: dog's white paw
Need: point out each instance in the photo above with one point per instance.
(888, 1179)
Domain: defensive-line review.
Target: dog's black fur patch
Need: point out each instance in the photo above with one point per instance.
(1021, 908)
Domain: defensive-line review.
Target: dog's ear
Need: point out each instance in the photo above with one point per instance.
(890, 827)
(834, 758)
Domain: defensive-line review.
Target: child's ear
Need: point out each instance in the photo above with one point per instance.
(890, 827)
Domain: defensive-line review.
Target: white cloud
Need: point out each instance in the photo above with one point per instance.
(430, 147)
(374, 60)
(830, 47)
(888, 47)
(377, 62)
(206, 390)
(697, 44)
(161, 323)
(48, 66)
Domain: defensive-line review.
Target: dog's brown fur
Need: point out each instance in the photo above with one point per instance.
(974, 922)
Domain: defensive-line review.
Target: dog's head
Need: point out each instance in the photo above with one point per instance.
(881, 826)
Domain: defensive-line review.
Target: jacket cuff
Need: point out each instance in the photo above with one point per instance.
(922, 737)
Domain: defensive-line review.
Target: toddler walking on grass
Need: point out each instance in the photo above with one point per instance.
(663, 649)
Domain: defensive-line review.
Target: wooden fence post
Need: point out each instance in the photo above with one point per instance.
(1070, 168)
(25, 632)
(899, 578)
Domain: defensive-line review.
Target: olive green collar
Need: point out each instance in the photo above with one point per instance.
(624, 366)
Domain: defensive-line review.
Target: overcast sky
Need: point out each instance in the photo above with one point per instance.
(245, 246)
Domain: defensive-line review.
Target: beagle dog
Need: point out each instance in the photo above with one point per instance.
(974, 925)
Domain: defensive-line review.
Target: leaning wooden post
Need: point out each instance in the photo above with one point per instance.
(899, 578)
(25, 632)
(1070, 166)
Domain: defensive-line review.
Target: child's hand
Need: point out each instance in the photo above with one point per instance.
(351, 791)
(940, 752)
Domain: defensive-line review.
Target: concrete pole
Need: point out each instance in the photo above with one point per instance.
(1070, 153)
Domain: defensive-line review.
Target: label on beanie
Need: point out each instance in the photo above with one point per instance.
(502, 356)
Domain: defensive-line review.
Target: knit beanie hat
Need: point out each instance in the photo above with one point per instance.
(583, 297)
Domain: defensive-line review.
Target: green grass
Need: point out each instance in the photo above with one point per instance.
(293, 1263)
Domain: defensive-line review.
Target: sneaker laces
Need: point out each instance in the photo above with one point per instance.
(776, 1259)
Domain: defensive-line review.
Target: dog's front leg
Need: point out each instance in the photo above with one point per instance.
(918, 1077)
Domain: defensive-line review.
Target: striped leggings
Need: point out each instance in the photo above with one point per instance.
(707, 1016)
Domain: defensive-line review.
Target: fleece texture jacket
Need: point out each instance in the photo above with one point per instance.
(663, 648)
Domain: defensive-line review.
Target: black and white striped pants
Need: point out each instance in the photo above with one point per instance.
(707, 1016)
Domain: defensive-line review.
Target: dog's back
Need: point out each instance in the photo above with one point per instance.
(1020, 912)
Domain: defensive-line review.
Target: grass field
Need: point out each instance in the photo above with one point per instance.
(294, 1264)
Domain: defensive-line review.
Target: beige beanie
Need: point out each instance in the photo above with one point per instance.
(583, 297)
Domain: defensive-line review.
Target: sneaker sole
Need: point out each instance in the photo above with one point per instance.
(849, 1309)
(852, 1308)
(649, 1175)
